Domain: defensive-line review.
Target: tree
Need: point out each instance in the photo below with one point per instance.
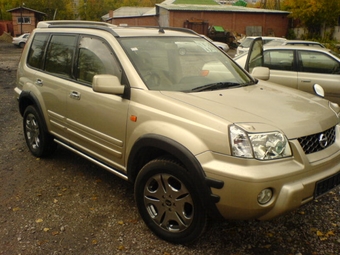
(267, 4)
(61, 9)
(95, 9)
(314, 14)
(7, 5)
(65, 9)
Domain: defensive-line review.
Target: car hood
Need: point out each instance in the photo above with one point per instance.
(294, 112)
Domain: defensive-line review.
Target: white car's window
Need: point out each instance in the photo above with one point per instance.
(279, 60)
(316, 45)
(317, 62)
(182, 64)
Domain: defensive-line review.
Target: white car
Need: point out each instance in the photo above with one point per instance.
(221, 45)
(282, 41)
(299, 67)
(21, 40)
(246, 42)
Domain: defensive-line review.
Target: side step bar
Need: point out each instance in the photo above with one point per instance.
(106, 167)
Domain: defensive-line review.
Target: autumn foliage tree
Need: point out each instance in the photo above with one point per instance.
(66, 9)
(314, 14)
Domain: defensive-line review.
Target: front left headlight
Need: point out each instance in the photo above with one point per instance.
(262, 146)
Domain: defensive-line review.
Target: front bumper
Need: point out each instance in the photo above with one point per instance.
(292, 180)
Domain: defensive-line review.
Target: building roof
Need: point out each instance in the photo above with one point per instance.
(171, 5)
(27, 9)
(134, 12)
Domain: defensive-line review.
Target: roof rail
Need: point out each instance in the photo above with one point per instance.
(73, 23)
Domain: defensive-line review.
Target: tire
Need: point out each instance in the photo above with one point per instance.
(22, 45)
(39, 142)
(169, 203)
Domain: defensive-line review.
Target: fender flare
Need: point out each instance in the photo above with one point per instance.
(27, 98)
(151, 146)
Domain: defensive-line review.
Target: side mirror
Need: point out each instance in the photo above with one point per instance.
(107, 83)
(261, 73)
(318, 90)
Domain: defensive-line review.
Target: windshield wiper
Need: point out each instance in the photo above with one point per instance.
(215, 86)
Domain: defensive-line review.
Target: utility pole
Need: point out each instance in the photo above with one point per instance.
(21, 17)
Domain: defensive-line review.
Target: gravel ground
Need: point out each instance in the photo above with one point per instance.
(66, 205)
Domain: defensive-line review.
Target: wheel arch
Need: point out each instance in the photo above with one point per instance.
(153, 146)
(27, 98)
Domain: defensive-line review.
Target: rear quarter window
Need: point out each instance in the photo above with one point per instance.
(317, 62)
(36, 53)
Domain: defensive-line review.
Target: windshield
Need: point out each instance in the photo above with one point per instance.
(182, 64)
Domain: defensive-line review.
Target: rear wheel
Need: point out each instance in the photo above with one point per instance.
(168, 201)
(39, 142)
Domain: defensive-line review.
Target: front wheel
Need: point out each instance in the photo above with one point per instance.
(39, 142)
(168, 201)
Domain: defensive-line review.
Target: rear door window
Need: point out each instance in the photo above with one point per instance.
(60, 54)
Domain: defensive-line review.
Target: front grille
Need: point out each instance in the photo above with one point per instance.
(317, 142)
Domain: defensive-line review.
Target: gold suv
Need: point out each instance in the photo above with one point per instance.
(169, 111)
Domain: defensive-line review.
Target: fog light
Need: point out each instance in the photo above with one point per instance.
(265, 196)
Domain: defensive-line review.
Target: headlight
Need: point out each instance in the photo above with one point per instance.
(263, 146)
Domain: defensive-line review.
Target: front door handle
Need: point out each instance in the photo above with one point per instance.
(39, 82)
(75, 95)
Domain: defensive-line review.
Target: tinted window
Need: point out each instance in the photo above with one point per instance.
(317, 62)
(60, 54)
(95, 57)
(37, 50)
(279, 59)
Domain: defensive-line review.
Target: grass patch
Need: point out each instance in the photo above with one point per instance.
(208, 2)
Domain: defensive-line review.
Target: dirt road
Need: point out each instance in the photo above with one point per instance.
(66, 205)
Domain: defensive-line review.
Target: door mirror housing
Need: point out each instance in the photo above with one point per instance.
(107, 83)
(261, 73)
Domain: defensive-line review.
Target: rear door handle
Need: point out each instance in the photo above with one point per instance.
(75, 95)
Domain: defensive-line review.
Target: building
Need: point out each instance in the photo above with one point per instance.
(24, 19)
(133, 16)
(237, 19)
